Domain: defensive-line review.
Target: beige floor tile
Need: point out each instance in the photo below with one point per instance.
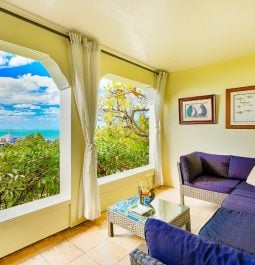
(36, 260)
(124, 261)
(82, 228)
(128, 240)
(199, 216)
(196, 219)
(118, 230)
(168, 194)
(87, 240)
(61, 254)
(83, 260)
(49, 242)
(102, 229)
(108, 253)
(102, 218)
(19, 256)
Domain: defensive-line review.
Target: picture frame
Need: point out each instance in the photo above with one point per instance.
(197, 110)
(240, 108)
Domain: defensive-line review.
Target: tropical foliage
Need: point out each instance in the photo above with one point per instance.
(122, 136)
(29, 170)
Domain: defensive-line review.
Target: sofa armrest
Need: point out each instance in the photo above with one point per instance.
(190, 167)
(138, 257)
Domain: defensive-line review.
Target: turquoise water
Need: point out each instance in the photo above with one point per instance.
(47, 134)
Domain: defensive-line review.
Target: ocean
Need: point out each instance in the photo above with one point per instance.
(47, 134)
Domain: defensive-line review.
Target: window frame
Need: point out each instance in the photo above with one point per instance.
(152, 134)
(65, 134)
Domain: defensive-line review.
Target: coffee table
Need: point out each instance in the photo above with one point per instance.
(121, 214)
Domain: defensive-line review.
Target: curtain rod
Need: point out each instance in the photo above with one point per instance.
(67, 37)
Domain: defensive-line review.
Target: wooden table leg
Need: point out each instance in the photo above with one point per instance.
(110, 229)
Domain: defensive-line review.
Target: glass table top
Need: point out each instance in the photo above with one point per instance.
(160, 209)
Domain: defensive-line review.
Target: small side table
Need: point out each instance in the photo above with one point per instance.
(121, 215)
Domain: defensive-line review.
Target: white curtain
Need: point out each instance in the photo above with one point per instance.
(85, 73)
(160, 88)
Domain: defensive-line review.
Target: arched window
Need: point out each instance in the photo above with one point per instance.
(124, 125)
(34, 132)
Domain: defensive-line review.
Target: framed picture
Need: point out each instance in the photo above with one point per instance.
(240, 108)
(197, 110)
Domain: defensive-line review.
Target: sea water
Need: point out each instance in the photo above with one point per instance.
(47, 134)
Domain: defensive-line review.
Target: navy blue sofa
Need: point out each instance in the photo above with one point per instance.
(171, 245)
(212, 177)
(234, 222)
(229, 236)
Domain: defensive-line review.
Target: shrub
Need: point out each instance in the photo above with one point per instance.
(29, 170)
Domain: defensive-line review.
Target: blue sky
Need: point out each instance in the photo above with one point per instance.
(29, 98)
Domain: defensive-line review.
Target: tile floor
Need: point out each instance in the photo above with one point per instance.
(89, 244)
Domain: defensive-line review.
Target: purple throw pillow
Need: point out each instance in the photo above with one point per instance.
(240, 167)
(191, 167)
(216, 165)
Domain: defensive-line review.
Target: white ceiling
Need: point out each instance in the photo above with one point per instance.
(165, 34)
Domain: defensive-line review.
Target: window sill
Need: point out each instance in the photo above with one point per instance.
(31, 207)
(148, 169)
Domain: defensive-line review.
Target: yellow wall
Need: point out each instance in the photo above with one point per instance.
(24, 34)
(182, 139)
(122, 188)
(118, 67)
(26, 229)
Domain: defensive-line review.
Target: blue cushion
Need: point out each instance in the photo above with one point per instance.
(245, 187)
(191, 167)
(240, 167)
(174, 246)
(233, 228)
(242, 201)
(215, 165)
(212, 183)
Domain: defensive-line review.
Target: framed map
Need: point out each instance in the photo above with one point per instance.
(197, 110)
(240, 108)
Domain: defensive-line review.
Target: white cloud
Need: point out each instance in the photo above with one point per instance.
(12, 60)
(52, 111)
(18, 61)
(26, 90)
(47, 118)
(26, 106)
(12, 119)
(5, 112)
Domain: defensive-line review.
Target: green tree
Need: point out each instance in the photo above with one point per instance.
(122, 136)
(29, 170)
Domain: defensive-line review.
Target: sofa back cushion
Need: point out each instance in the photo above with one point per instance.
(240, 167)
(191, 167)
(172, 245)
(216, 165)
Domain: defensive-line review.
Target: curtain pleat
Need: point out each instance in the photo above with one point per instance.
(85, 75)
(160, 88)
